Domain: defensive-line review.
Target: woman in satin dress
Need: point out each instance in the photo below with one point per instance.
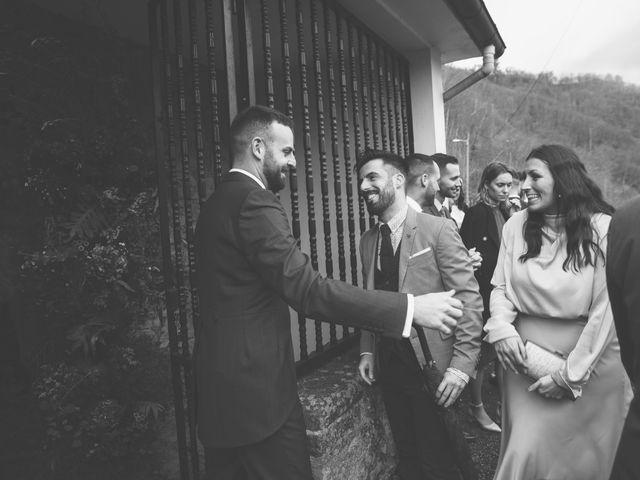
(550, 288)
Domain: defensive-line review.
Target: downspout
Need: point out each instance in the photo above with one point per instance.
(488, 66)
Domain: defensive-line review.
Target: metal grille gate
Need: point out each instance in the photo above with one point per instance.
(346, 90)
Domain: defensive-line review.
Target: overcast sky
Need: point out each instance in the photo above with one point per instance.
(569, 36)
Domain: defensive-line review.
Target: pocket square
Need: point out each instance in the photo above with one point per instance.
(421, 252)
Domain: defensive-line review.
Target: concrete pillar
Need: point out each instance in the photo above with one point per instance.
(427, 105)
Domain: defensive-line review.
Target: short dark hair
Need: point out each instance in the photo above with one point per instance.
(417, 165)
(255, 121)
(442, 159)
(387, 158)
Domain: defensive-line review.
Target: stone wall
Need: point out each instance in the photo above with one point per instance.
(347, 427)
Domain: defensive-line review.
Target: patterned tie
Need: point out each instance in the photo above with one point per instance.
(444, 212)
(386, 250)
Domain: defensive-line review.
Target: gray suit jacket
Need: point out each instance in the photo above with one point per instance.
(433, 259)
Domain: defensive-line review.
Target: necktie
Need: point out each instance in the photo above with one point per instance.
(444, 212)
(386, 249)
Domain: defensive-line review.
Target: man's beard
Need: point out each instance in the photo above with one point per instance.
(276, 177)
(386, 197)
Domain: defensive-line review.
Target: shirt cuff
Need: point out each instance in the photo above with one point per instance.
(366, 353)
(408, 321)
(460, 374)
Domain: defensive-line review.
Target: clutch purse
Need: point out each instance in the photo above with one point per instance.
(541, 361)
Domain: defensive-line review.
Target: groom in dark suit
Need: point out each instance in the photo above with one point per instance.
(249, 271)
(623, 283)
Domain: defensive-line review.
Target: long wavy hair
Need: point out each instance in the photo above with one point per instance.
(578, 198)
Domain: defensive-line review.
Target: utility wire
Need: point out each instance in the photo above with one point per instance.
(539, 76)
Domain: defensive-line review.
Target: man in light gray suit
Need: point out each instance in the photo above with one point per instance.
(413, 252)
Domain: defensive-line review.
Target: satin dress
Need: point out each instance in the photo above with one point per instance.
(568, 312)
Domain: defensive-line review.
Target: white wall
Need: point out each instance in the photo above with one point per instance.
(427, 105)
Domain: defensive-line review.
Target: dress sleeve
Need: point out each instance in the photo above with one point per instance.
(599, 330)
(503, 312)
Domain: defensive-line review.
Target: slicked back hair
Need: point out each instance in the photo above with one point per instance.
(254, 121)
(387, 158)
(417, 165)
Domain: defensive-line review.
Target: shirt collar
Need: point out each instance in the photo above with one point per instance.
(437, 204)
(413, 204)
(397, 220)
(250, 175)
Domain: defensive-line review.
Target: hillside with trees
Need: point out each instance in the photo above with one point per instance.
(509, 113)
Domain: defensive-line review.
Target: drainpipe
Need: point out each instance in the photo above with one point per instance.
(488, 66)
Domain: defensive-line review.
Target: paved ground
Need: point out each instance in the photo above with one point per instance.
(486, 447)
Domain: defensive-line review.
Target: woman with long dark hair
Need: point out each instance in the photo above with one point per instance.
(565, 392)
(482, 230)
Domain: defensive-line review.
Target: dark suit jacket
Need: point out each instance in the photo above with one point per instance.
(479, 230)
(433, 259)
(623, 283)
(249, 269)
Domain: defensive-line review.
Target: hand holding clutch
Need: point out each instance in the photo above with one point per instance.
(540, 362)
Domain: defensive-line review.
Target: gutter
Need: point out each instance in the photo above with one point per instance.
(488, 67)
(475, 19)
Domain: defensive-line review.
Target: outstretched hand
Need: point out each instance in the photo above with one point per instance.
(439, 311)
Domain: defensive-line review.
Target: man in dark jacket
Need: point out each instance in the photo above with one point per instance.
(623, 283)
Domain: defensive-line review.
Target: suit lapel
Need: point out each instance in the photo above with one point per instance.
(406, 245)
(368, 246)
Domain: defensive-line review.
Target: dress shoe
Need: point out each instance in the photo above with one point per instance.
(484, 421)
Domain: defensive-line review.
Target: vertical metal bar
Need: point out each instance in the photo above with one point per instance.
(346, 143)
(382, 91)
(175, 302)
(293, 176)
(364, 68)
(373, 75)
(202, 196)
(306, 131)
(242, 55)
(197, 99)
(266, 37)
(228, 12)
(391, 107)
(322, 153)
(171, 297)
(357, 79)
(405, 113)
(213, 91)
(335, 153)
(397, 95)
(189, 224)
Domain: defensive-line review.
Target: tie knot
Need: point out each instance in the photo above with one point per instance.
(385, 231)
